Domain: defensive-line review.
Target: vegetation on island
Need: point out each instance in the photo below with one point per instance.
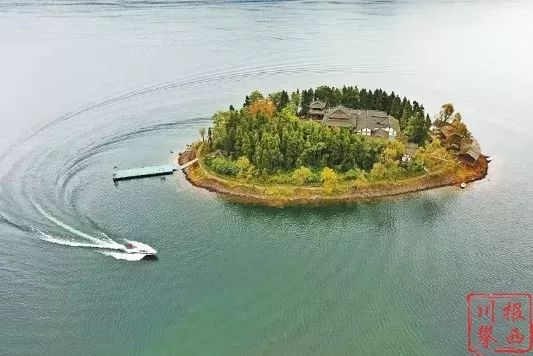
(267, 143)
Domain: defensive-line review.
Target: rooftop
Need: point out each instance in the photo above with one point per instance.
(471, 148)
(360, 119)
(317, 105)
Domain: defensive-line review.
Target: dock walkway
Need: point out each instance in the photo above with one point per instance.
(165, 169)
(188, 163)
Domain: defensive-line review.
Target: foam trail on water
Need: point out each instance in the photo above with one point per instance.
(61, 241)
(105, 246)
(107, 243)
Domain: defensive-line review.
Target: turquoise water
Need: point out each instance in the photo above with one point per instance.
(87, 86)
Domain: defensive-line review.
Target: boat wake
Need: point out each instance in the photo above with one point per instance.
(105, 245)
(63, 241)
(124, 256)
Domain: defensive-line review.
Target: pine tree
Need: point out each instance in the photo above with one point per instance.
(417, 130)
(307, 98)
(283, 100)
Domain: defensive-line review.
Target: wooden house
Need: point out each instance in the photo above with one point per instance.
(316, 110)
(470, 151)
(366, 122)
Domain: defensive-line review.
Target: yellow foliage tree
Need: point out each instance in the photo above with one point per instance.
(388, 167)
(447, 111)
(435, 157)
(394, 151)
(263, 106)
(329, 179)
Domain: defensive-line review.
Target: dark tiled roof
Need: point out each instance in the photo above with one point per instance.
(317, 105)
(339, 113)
(360, 119)
(339, 123)
(370, 119)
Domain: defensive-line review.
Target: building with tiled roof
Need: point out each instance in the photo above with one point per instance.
(366, 122)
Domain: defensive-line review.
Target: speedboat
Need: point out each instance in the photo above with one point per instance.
(139, 247)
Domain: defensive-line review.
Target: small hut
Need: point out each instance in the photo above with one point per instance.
(450, 137)
(470, 152)
(316, 110)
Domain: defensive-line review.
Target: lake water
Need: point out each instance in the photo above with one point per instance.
(87, 85)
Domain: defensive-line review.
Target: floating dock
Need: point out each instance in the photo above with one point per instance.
(165, 169)
(143, 172)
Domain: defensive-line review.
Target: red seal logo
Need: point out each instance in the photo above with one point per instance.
(499, 323)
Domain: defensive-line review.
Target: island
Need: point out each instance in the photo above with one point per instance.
(331, 145)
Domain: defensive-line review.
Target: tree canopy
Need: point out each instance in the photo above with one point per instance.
(281, 141)
(266, 135)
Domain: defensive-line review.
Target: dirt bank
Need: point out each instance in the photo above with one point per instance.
(292, 195)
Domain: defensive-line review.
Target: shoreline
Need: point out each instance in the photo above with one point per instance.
(198, 176)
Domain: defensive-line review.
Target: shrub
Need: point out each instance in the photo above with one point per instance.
(279, 178)
(246, 169)
(360, 182)
(329, 179)
(315, 178)
(387, 171)
(379, 171)
(301, 176)
(224, 166)
(416, 167)
(243, 163)
(353, 174)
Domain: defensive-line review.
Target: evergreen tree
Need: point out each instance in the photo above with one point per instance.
(350, 97)
(255, 96)
(307, 98)
(283, 100)
(417, 129)
(396, 107)
(295, 99)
